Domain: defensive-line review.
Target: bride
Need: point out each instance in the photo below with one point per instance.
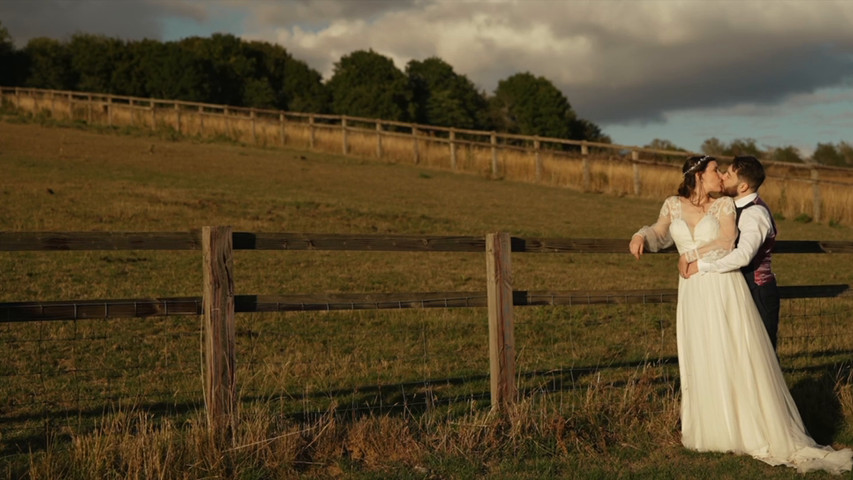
(733, 395)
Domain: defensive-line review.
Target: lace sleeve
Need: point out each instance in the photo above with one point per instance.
(657, 236)
(724, 210)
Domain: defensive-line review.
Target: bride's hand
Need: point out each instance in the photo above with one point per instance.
(636, 246)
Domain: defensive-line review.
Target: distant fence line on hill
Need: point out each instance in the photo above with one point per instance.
(219, 303)
(209, 120)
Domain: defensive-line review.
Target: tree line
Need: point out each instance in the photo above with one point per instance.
(224, 69)
(830, 154)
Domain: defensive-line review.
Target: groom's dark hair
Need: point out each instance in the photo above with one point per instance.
(749, 170)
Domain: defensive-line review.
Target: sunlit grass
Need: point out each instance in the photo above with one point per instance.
(354, 393)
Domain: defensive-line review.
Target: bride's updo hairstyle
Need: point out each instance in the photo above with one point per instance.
(691, 167)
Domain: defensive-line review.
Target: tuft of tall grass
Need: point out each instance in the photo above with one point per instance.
(601, 421)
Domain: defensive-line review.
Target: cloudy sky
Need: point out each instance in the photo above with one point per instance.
(777, 71)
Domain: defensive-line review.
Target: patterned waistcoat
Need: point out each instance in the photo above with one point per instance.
(758, 271)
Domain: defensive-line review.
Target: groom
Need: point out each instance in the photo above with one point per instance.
(756, 237)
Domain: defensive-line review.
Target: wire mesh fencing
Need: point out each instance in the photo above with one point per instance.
(60, 377)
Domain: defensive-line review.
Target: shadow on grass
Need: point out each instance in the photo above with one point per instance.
(29, 433)
(815, 397)
(819, 406)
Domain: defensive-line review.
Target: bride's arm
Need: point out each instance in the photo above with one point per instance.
(656, 237)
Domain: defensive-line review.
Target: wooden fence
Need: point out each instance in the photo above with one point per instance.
(220, 303)
(193, 118)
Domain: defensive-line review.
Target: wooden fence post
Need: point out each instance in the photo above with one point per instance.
(218, 333)
(537, 154)
(227, 122)
(153, 116)
(453, 149)
(109, 110)
(89, 109)
(635, 155)
(281, 133)
(311, 132)
(415, 151)
(252, 120)
(200, 121)
(494, 141)
(344, 146)
(587, 176)
(379, 140)
(70, 107)
(816, 194)
(178, 118)
(501, 336)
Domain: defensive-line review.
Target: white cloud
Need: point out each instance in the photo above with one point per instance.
(618, 61)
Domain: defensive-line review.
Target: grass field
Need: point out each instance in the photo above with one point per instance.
(369, 394)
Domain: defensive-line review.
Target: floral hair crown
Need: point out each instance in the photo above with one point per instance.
(695, 168)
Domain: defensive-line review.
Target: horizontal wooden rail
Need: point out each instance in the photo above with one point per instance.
(161, 307)
(82, 241)
(88, 309)
(64, 241)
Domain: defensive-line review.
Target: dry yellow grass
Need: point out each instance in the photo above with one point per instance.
(789, 191)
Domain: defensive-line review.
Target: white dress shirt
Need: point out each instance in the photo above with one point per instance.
(755, 225)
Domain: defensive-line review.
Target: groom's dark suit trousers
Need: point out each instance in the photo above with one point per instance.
(766, 298)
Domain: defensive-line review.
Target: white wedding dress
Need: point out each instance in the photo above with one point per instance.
(733, 395)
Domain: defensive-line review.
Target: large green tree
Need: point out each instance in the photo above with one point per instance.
(7, 46)
(12, 61)
(788, 154)
(713, 146)
(846, 150)
(7, 49)
(738, 146)
(827, 154)
(663, 144)
(255, 74)
(744, 146)
(302, 89)
(367, 84)
(131, 75)
(442, 97)
(49, 65)
(173, 72)
(93, 58)
(531, 105)
(277, 80)
(228, 66)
